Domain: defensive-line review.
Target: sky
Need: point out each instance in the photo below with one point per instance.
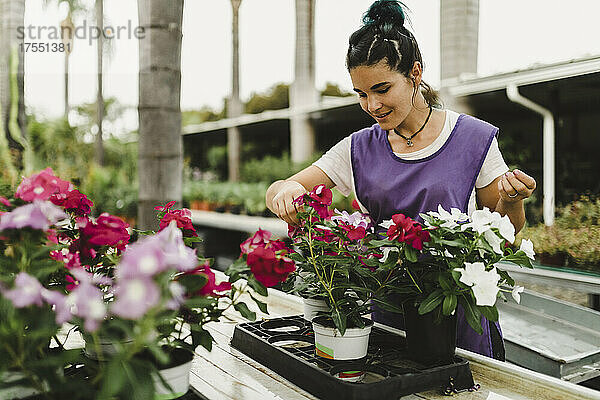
(513, 34)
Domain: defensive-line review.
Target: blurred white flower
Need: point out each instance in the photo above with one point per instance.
(527, 247)
(516, 293)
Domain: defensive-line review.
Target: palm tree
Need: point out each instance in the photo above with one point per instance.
(160, 146)
(12, 104)
(234, 107)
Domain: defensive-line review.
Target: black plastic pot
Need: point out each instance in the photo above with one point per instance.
(428, 342)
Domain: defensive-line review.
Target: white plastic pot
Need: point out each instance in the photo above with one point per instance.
(329, 343)
(178, 378)
(312, 307)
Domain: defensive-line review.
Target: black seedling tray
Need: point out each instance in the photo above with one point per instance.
(286, 346)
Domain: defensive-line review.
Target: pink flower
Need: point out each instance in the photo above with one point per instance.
(27, 291)
(269, 268)
(41, 186)
(259, 239)
(108, 230)
(37, 215)
(5, 201)
(134, 297)
(71, 260)
(176, 254)
(72, 283)
(183, 219)
(417, 236)
(73, 201)
(143, 258)
(321, 194)
(166, 207)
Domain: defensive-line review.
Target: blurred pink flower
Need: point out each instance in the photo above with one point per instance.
(41, 186)
(107, 230)
(133, 297)
(27, 291)
(269, 268)
(37, 215)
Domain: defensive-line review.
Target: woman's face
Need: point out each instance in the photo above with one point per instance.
(384, 94)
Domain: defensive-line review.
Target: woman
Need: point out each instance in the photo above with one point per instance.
(416, 156)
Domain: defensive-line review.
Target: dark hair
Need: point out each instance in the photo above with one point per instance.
(383, 36)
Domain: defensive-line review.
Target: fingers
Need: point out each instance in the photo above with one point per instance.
(525, 179)
(283, 202)
(516, 185)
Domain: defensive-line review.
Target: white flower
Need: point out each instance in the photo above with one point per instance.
(451, 218)
(484, 283)
(481, 220)
(506, 228)
(494, 240)
(471, 273)
(486, 293)
(387, 224)
(516, 293)
(386, 253)
(527, 247)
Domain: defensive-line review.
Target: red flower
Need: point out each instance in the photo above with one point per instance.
(268, 267)
(416, 237)
(353, 232)
(408, 231)
(74, 201)
(41, 186)
(5, 201)
(108, 230)
(182, 217)
(210, 288)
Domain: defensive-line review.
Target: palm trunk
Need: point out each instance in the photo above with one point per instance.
(234, 108)
(12, 104)
(160, 146)
(100, 96)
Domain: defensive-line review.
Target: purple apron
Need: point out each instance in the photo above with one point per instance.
(386, 184)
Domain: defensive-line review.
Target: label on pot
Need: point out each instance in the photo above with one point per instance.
(323, 351)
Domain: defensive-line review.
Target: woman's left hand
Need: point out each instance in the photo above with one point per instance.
(515, 186)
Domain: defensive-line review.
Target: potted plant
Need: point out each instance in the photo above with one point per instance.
(449, 263)
(61, 267)
(337, 264)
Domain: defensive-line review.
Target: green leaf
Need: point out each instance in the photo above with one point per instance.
(296, 257)
(262, 306)
(444, 283)
(201, 337)
(388, 306)
(243, 309)
(193, 283)
(339, 319)
(472, 315)
(410, 253)
(257, 286)
(449, 304)
(114, 379)
(491, 313)
(200, 302)
(431, 302)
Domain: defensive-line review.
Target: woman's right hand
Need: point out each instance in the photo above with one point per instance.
(282, 203)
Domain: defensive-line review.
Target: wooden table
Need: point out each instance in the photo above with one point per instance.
(226, 373)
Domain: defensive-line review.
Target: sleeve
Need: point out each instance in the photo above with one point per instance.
(493, 166)
(337, 165)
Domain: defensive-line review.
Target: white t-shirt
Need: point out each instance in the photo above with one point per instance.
(337, 162)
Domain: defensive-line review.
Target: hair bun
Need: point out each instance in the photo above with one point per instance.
(384, 12)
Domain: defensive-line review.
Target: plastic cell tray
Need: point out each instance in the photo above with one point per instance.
(286, 346)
